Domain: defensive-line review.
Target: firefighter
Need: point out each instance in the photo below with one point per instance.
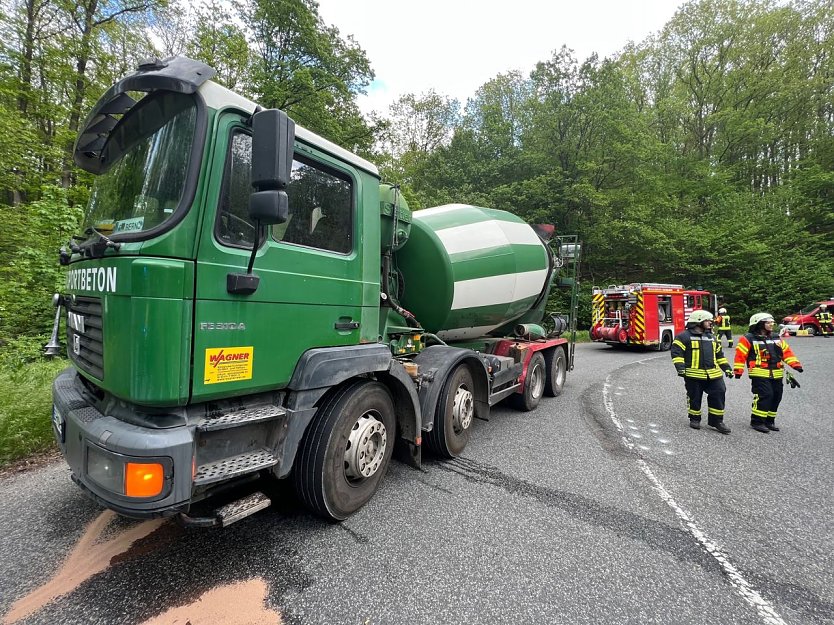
(824, 319)
(763, 352)
(722, 321)
(700, 361)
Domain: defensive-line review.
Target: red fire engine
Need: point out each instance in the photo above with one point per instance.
(645, 314)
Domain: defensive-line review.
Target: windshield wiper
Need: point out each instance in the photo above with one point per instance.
(94, 249)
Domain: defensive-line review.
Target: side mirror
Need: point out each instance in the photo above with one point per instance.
(273, 136)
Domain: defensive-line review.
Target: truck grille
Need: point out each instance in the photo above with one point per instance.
(85, 344)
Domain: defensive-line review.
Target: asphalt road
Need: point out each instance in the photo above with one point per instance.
(602, 506)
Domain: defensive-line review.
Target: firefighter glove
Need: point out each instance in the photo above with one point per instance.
(793, 383)
(680, 373)
(799, 369)
(729, 373)
(737, 374)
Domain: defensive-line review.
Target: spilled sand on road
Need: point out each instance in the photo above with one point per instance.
(90, 556)
(242, 603)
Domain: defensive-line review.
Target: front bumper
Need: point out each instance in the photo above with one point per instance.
(79, 427)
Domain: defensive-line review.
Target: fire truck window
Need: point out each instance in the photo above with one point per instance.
(664, 309)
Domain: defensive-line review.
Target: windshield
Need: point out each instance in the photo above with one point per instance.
(146, 167)
(809, 309)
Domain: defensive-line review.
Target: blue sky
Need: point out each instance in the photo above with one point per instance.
(455, 46)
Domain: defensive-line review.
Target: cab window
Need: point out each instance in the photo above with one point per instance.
(320, 203)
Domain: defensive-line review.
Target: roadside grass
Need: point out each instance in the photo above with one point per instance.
(26, 408)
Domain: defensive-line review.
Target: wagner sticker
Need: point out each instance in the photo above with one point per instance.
(228, 364)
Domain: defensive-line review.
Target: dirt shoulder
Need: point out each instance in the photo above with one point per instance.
(35, 461)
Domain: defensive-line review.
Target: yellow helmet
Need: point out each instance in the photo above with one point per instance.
(759, 317)
(699, 316)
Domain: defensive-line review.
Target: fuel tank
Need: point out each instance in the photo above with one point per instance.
(467, 270)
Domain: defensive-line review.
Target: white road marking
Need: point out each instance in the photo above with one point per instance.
(765, 610)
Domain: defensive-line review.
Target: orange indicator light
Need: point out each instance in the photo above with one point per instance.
(143, 480)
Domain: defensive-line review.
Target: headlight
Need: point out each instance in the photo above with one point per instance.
(125, 475)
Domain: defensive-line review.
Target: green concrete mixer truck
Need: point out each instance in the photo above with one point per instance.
(246, 301)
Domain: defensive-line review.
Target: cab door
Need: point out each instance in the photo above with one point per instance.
(311, 290)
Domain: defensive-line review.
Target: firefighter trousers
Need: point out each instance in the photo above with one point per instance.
(826, 329)
(767, 394)
(728, 334)
(715, 389)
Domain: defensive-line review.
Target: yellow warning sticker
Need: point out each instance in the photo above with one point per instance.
(228, 364)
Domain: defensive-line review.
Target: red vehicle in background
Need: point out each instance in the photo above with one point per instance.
(645, 314)
(806, 319)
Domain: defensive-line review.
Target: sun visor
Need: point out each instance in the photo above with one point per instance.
(178, 74)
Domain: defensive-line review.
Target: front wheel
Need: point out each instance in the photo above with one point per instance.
(347, 450)
(534, 383)
(665, 342)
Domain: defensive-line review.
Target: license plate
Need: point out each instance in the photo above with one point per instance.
(59, 424)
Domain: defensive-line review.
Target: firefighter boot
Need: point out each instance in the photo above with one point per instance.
(721, 427)
(695, 424)
(757, 424)
(770, 424)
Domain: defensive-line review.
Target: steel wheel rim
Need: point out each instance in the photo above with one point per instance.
(560, 372)
(536, 382)
(463, 409)
(366, 445)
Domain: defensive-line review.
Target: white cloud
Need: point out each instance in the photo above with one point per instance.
(455, 46)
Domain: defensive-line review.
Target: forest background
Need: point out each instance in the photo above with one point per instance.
(703, 155)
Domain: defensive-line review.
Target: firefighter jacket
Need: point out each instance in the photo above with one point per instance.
(823, 317)
(698, 356)
(764, 356)
(723, 322)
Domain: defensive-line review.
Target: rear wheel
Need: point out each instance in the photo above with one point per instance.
(665, 342)
(556, 367)
(533, 385)
(454, 415)
(812, 330)
(347, 450)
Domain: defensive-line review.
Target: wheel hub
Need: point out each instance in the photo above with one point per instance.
(463, 409)
(536, 382)
(365, 447)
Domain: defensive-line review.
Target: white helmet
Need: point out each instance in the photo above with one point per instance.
(722, 311)
(823, 306)
(759, 317)
(699, 316)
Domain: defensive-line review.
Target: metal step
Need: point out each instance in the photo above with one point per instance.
(234, 466)
(253, 414)
(242, 508)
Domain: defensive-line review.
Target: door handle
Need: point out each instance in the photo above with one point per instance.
(346, 325)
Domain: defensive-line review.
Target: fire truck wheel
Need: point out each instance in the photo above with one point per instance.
(665, 342)
(533, 385)
(346, 450)
(454, 415)
(556, 366)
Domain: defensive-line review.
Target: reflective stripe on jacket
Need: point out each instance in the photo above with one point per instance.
(823, 317)
(723, 322)
(698, 356)
(764, 356)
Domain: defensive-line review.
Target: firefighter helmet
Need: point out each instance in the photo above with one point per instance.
(823, 306)
(722, 311)
(699, 316)
(759, 317)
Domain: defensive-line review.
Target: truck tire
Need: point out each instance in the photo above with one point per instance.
(665, 342)
(534, 384)
(346, 451)
(556, 366)
(454, 415)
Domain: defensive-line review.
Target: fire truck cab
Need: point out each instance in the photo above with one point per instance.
(645, 314)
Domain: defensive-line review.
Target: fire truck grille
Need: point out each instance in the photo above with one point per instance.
(85, 344)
